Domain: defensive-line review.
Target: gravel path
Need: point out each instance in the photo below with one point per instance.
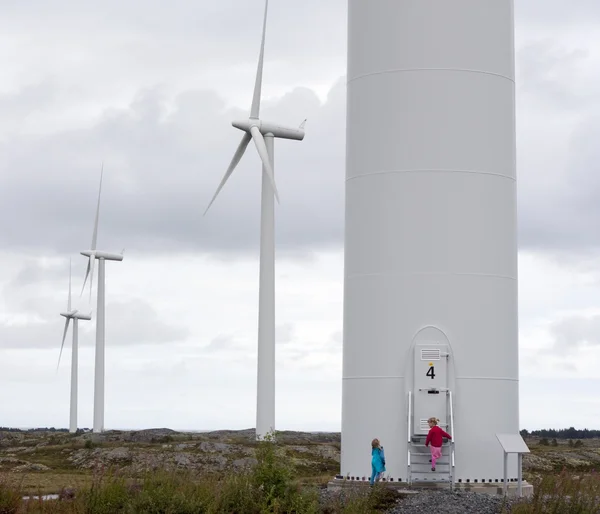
(448, 502)
(432, 501)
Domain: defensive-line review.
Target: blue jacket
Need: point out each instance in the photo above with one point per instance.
(378, 459)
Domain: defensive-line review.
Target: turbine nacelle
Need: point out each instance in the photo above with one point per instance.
(107, 256)
(69, 314)
(270, 128)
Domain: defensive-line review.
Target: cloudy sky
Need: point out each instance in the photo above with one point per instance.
(151, 90)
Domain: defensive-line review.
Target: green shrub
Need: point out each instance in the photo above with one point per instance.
(271, 474)
(272, 478)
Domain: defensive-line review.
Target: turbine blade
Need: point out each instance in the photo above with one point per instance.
(234, 162)
(259, 141)
(69, 300)
(63, 341)
(87, 273)
(95, 235)
(255, 109)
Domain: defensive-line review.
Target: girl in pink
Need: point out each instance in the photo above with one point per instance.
(435, 437)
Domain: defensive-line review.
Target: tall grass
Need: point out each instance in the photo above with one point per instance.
(179, 493)
(563, 494)
(10, 499)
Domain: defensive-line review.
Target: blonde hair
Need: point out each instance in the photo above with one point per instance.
(375, 443)
(435, 421)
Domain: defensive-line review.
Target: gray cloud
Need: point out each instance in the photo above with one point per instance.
(224, 342)
(232, 343)
(555, 12)
(161, 171)
(547, 73)
(128, 323)
(33, 271)
(563, 216)
(103, 54)
(284, 333)
(577, 331)
(136, 322)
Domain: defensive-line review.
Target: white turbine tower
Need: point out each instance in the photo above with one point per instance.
(75, 315)
(263, 134)
(102, 257)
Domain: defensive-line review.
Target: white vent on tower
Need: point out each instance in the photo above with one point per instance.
(430, 354)
(424, 426)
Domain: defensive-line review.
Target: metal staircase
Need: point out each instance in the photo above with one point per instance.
(419, 456)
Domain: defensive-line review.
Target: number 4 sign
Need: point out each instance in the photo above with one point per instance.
(430, 371)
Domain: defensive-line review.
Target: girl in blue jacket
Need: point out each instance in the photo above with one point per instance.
(377, 461)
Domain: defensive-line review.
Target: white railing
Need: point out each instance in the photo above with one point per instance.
(408, 434)
(453, 440)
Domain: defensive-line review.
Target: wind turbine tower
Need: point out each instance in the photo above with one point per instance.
(430, 279)
(102, 257)
(263, 134)
(75, 315)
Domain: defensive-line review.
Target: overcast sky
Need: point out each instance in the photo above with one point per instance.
(151, 90)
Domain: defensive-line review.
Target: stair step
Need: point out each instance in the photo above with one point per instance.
(432, 480)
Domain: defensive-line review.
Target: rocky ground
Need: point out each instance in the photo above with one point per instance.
(50, 457)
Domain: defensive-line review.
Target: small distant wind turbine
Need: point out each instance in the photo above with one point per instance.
(102, 257)
(75, 315)
(263, 134)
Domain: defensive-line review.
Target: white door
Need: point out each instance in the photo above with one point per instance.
(431, 384)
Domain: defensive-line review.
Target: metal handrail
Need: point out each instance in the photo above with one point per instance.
(408, 435)
(409, 415)
(453, 440)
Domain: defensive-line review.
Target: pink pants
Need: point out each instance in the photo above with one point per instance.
(436, 453)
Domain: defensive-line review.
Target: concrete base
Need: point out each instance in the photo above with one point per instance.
(404, 488)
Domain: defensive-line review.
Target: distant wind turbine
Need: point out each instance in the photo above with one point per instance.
(102, 257)
(75, 315)
(263, 134)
